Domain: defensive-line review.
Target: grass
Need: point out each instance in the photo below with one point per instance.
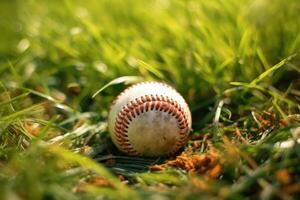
(236, 63)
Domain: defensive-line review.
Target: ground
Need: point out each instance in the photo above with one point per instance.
(236, 63)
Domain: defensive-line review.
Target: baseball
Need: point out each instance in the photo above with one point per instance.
(149, 119)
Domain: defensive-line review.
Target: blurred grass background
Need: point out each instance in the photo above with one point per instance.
(235, 58)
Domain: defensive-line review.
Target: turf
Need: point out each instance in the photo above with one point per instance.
(236, 62)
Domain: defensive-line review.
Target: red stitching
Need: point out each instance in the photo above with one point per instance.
(143, 104)
(141, 83)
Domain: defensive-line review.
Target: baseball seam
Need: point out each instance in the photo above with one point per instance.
(144, 104)
(138, 84)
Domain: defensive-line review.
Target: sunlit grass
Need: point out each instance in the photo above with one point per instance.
(63, 62)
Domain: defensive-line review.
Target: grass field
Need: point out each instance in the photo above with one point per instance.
(236, 62)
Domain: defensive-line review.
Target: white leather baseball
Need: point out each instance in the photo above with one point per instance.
(149, 119)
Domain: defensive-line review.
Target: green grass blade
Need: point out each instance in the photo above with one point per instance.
(89, 164)
(151, 69)
(20, 113)
(272, 69)
(123, 79)
(21, 96)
